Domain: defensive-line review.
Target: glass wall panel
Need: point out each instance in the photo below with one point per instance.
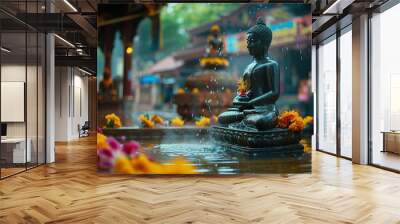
(327, 96)
(22, 90)
(385, 89)
(346, 94)
(13, 93)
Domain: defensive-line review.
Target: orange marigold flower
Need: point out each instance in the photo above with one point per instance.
(146, 122)
(285, 119)
(241, 87)
(296, 125)
(157, 119)
(180, 91)
(142, 164)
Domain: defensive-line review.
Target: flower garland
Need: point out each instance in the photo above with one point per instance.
(127, 159)
(214, 61)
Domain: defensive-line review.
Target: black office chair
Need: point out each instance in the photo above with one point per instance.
(84, 130)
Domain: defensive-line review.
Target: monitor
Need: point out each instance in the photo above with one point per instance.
(3, 129)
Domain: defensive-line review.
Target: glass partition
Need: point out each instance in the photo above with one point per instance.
(13, 105)
(22, 77)
(327, 96)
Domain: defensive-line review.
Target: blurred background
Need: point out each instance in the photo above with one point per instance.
(149, 53)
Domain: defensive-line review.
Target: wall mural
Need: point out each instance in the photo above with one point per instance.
(202, 88)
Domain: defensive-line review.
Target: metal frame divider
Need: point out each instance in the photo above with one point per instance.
(338, 98)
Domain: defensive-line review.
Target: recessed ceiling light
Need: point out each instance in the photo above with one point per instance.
(70, 5)
(65, 41)
(84, 71)
(5, 50)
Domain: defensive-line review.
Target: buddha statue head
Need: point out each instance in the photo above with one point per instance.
(259, 39)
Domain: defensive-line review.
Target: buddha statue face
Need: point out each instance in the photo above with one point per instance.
(255, 45)
(259, 39)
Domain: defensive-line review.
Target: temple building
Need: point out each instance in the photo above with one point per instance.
(290, 42)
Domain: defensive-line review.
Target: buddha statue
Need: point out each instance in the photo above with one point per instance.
(107, 90)
(215, 42)
(254, 106)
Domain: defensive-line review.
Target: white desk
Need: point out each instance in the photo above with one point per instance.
(18, 150)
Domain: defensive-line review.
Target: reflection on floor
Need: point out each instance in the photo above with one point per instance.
(71, 191)
(11, 169)
(387, 159)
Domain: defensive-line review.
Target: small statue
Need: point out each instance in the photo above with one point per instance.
(107, 90)
(215, 42)
(214, 58)
(254, 106)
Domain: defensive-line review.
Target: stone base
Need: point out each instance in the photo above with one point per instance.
(171, 133)
(271, 141)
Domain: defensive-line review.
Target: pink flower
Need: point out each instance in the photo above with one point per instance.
(131, 148)
(113, 143)
(105, 153)
(104, 164)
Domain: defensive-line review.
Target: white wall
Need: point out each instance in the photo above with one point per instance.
(16, 73)
(71, 93)
(34, 125)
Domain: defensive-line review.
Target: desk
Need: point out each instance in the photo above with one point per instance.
(391, 141)
(16, 148)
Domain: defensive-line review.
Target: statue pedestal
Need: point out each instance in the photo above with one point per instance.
(272, 141)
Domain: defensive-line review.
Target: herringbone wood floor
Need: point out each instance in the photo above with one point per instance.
(70, 191)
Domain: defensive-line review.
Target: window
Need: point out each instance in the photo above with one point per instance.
(327, 96)
(346, 93)
(385, 89)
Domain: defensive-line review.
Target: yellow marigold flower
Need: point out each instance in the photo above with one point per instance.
(307, 120)
(177, 122)
(101, 141)
(241, 87)
(146, 122)
(195, 90)
(180, 91)
(296, 125)
(113, 121)
(157, 119)
(204, 121)
(123, 165)
(179, 166)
